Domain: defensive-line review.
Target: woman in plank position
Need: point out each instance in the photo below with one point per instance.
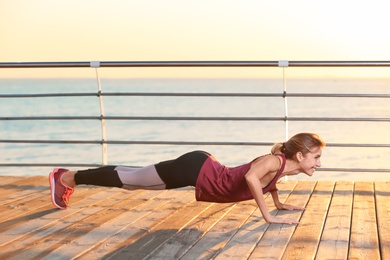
(213, 181)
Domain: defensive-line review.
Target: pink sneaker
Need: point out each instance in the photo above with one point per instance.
(60, 193)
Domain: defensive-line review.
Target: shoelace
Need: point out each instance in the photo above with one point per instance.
(66, 195)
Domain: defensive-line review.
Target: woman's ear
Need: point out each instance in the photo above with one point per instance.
(299, 156)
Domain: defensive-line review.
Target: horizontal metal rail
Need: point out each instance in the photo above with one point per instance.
(160, 94)
(198, 118)
(194, 64)
(26, 141)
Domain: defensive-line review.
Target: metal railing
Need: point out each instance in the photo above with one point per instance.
(281, 63)
(102, 117)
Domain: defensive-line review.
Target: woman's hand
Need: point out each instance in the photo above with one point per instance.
(279, 220)
(289, 207)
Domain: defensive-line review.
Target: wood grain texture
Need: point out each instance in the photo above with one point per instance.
(335, 237)
(342, 220)
(364, 230)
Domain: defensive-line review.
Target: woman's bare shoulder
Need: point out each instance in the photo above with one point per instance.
(270, 162)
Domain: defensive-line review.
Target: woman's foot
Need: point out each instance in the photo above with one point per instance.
(60, 192)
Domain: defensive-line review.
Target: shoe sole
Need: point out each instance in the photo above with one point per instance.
(52, 183)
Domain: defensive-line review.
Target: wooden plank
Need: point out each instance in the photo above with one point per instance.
(140, 223)
(152, 240)
(104, 224)
(143, 230)
(164, 230)
(183, 240)
(382, 196)
(33, 227)
(305, 240)
(27, 199)
(247, 237)
(20, 195)
(364, 235)
(58, 231)
(334, 242)
(40, 237)
(35, 207)
(5, 179)
(211, 244)
(272, 245)
(61, 235)
(20, 184)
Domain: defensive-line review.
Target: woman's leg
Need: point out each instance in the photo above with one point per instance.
(105, 176)
(140, 178)
(68, 178)
(62, 181)
(171, 174)
(116, 176)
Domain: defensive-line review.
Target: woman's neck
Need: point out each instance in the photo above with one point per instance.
(292, 168)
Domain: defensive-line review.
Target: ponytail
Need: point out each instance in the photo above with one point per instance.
(303, 142)
(278, 148)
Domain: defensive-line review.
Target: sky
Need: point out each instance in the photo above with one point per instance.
(194, 30)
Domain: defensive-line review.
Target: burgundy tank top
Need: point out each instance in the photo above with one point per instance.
(219, 183)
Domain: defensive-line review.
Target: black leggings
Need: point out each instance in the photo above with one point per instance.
(102, 176)
(182, 171)
(176, 173)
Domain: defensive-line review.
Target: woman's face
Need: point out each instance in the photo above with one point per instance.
(311, 161)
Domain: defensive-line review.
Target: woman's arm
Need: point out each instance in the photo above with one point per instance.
(275, 197)
(257, 192)
(253, 177)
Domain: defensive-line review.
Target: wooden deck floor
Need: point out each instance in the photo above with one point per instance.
(342, 220)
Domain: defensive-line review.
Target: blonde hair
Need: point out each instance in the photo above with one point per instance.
(303, 142)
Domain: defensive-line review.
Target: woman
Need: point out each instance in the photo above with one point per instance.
(213, 181)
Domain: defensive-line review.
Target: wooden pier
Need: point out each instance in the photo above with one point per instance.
(342, 220)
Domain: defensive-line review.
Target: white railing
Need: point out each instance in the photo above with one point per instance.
(103, 118)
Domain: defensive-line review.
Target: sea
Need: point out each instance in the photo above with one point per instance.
(333, 132)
